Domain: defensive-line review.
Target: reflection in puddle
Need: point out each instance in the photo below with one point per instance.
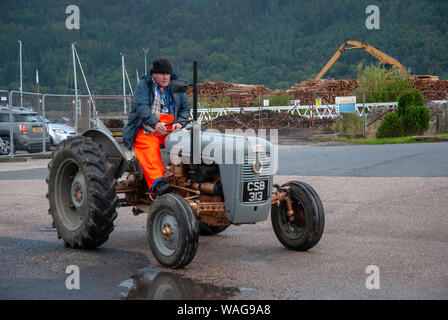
(152, 284)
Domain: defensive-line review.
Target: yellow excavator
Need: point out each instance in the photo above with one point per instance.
(388, 60)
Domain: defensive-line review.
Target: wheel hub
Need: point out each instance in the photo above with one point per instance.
(167, 232)
(78, 190)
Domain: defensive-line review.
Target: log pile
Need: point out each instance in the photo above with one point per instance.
(431, 89)
(241, 95)
(325, 89)
(266, 119)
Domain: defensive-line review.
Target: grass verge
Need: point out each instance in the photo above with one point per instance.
(438, 138)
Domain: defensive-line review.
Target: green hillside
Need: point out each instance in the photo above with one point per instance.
(272, 42)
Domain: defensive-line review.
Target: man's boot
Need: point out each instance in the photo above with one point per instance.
(162, 187)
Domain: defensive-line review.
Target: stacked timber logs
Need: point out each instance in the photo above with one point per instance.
(267, 119)
(431, 89)
(325, 89)
(241, 95)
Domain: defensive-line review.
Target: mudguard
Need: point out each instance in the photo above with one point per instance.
(108, 144)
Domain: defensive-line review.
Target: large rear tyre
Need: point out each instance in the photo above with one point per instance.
(307, 227)
(172, 231)
(208, 230)
(81, 193)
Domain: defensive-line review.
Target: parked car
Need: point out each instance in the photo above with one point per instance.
(27, 130)
(59, 132)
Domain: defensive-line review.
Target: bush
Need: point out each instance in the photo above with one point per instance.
(416, 120)
(412, 98)
(392, 126)
(380, 84)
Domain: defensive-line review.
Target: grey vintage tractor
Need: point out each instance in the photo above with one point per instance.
(90, 177)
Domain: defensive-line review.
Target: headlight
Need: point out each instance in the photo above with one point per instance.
(60, 131)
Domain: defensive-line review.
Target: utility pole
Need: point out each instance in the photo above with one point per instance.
(21, 76)
(446, 114)
(76, 88)
(146, 50)
(364, 118)
(37, 81)
(124, 83)
(37, 91)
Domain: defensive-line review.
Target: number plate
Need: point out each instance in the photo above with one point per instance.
(37, 129)
(255, 191)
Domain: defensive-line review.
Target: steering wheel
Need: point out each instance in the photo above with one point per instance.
(183, 122)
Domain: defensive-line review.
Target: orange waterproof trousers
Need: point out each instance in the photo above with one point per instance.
(147, 151)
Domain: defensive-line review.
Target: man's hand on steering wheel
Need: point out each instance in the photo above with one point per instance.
(176, 126)
(160, 128)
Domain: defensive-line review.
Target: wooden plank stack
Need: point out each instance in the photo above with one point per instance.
(241, 95)
(325, 89)
(431, 89)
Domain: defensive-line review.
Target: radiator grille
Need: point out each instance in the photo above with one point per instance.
(247, 172)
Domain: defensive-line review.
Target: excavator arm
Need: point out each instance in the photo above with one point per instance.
(355, 45)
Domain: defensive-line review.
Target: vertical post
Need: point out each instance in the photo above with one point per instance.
(76, 89)
(21, 76)
(146, 51)
(37, 81)
(195, 141)
(364, 118)
(89, 116)
(44, 125)
(136, 71)
(124, 83)
(312, 116)
(37, 90)
(437, 122)
(446, 114)
(11, 136)
(195, 90)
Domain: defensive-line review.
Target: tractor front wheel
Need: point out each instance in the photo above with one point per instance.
(304, 228)
(172, 231)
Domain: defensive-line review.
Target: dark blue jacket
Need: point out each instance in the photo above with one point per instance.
(141, 109)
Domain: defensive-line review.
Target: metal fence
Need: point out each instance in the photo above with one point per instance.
(82, 113)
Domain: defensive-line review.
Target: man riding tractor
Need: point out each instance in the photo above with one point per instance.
(155, 105)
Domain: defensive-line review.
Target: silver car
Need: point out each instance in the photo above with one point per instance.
(59, 132)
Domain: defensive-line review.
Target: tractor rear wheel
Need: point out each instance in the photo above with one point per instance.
(172, 231)
(81, 193)
(305, 229)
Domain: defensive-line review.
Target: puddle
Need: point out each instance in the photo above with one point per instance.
(152, 284)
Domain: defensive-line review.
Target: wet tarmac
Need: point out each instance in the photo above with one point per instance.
(396, 223)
